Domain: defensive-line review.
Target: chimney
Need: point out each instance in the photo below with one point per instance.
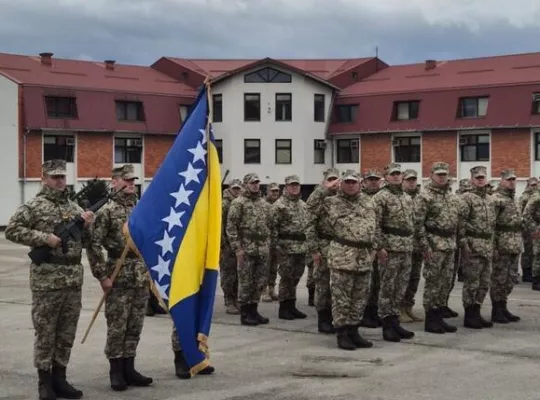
(109, 64)
(46, 58)
(431, 64)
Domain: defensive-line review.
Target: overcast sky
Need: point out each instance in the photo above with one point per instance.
(140, 31)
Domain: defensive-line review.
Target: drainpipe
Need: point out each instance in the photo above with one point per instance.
(23, 188)
(327, 127)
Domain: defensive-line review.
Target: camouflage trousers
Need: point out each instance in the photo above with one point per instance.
(504, 276)
(414, 279)
(527, 256)
(459, 265)
(476, 280)
(252, 278)
(374, 286)
(350, 292)
(394, 280)
(125, 309)
(291, 268)
(175, 342)
(321, 276)
(536, 258)
(55, 315)
(272, 269)
(438, 274)
(310, 281)
(228, 276)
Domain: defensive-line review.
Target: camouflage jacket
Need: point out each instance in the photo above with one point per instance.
(395, 219)
(288, 221)
(317, 233)
(352, 221)
(525, 196)
(225, 205)
(531, 213)
(508, 227)
(437, 218)
(478, 222)
(414, 196)
(107, 232)
(248, 225)
(31, 225)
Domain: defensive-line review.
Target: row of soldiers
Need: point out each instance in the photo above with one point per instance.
(367, 238)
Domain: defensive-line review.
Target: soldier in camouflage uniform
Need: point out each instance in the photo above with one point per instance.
(395, 239)
(410, 186)
(507, 247)
(288, 222)
(248, 231)
(55, 284)
(227, 264)
(182, 369)
(351, 217)
(527, 256)
(531, 222)
(477, 247)
(269, 292)
(318, 239)
(127, 296)
(437, 216)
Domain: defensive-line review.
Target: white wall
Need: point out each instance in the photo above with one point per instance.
(9, 150)
(302, 130)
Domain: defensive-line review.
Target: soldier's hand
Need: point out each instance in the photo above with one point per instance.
(53, 241)
(316, 258)
(382, 256)
(428, 255)
(106, 284)
(331, 184)
(240, 258)
(88, 217)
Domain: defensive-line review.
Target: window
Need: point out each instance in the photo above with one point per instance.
(268, 74)
(252, 151)
(347, 151)
(405, 110)
(138, 190)
(406, 149)
(283, 107)
(58, 147)
(127, 151)
(318, 105)
(474, 147)
(129, 111)
(283, 151)
(217, 106)
(318, 154)
(536, 103)
(346, 113)
(61, 107)
(537, 146)
(472, 107)
(252, 107)
(219, 148)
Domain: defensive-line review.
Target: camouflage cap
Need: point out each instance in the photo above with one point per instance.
(54, 167)
(464, 183)
(126, 172)
(331, 173)
(351, 175)
(508, 173)
(292, 179)
(235, 183)
(372, 173)
(391, 168)
(440, 168)
(410, 173)
(272, 186)
(479, 170)
(251, 178)
(532, 180)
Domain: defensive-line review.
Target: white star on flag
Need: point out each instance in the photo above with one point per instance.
(203, 133)
(198, 153)
(162, 268)
(162, 290)
(165, 243)
(173, 219)
(191, 174)
(182, 196)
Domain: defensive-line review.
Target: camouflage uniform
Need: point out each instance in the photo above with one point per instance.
(531, 221)
(395, 220)
(437, 216)
(227, 263)
(318, 237)
(269, 293)
(55, 284)
(527, 256)
(248, 231)
(352, 221)
(478, 228)
(288, 222)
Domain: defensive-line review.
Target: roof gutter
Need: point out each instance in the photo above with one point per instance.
(461, 128)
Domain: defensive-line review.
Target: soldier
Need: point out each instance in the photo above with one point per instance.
(531, 222)
(229, 279)
(55, 284)
(288, 221)
(318, 239)
(437, 213)
(182, 369)
(412, 188)
(527, 256)
(507, 247)
(249, 236)
(127, 296)
(477, 247)
(269, 292)
(395, 240)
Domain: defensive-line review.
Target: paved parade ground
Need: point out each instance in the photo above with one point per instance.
(284, 359)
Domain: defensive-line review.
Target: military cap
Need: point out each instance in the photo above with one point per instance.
(410, 173)
(331, 173)
(235, 183)
(479, 170)
(440, 168)
(372, 173)
(251, 178)
(532, 180)
(391, 168)
(464, 183)
(508, 173)
(272, 186)
(351, 175)
(292, 179)
(54, 167)
(125, 172)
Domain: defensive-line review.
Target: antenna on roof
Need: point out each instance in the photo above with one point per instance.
(377, 58)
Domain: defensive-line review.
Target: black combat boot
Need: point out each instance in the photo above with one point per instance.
(61, 386)
(45, 385)
(485, 324)
(132, 376)
(442, 322)
(471, 319)
(311, 297)
(295, 311)
(255, 312)
(116, 374)
(431, 323)
(370, 319)
(403, 333)
(181, 367)
(246, 316)
(509, 316)
(325, 322)
(344, 341)
(358, 340)
(536, 283)
(497, 313)
(447, 312)
(285, 311)
(389, 332)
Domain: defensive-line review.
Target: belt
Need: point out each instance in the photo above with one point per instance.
(254, 236)
(479, 235)
(61, 260)
(114, 253)
(440, 232)
(508, 228)
(396, 231)
(299, 237)
(350, 243)
(325, 236)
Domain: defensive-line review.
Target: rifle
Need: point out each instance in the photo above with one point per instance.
(225, 177)
(66, 230)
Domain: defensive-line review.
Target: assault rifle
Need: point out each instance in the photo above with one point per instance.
(68, 230)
